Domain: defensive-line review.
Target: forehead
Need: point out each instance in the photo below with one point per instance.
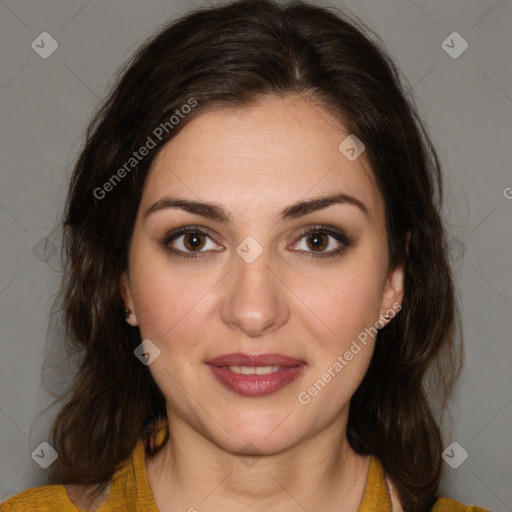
(261, 158)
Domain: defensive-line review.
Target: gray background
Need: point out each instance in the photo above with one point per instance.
(466, 101)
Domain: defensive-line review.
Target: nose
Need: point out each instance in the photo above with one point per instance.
(255, 297)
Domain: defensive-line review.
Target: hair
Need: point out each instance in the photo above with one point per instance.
(232, 56)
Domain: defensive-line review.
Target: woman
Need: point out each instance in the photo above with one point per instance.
(257, 275)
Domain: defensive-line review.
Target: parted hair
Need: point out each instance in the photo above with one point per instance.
(230, 56)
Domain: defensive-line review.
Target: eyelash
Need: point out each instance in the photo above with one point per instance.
(328, 230)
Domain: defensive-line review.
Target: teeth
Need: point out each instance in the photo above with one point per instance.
(251, 370)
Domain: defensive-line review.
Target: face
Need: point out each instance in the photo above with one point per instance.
(255, 274)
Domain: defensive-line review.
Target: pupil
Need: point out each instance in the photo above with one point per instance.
(317, 242)
(193, 241)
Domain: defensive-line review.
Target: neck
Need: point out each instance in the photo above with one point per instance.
(193, 471)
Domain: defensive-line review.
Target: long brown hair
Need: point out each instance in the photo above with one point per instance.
(230, 56)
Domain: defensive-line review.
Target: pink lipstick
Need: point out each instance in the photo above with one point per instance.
(255, 374)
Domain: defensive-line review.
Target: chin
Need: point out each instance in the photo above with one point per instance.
(254, 438)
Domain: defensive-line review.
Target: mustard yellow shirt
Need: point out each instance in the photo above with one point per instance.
(130, 490)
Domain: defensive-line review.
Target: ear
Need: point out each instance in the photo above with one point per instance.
(392, 294)
(126, 293)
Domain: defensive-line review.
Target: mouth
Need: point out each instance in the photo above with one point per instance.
(255, 374)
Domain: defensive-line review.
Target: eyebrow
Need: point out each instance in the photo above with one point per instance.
(216, 212)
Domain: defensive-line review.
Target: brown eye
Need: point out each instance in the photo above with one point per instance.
(193, 241)
(318, 241)
(190, 242)
(323, 241)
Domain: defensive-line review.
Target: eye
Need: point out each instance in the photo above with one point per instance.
(189, 242)
(319, 239)
(319, 242)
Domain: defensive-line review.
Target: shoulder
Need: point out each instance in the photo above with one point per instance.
(41, 499)
(441, 505)
(447, 505)
(128, 483)
(65, 498)
(71, 498)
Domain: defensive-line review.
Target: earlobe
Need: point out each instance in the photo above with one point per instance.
(128, 311)
(394, 288)
(393, 293)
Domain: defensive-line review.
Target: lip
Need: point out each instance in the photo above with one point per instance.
(255, 385)
(241, 359)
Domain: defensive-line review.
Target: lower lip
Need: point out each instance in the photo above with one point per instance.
(256, 385)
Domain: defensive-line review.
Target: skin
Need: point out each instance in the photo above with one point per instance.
(255, 162)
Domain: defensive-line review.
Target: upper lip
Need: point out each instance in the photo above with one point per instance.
(240, 359)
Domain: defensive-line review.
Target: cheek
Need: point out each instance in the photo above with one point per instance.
(172, 302)
(342, 340)
(341, 304)
(172, 311)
